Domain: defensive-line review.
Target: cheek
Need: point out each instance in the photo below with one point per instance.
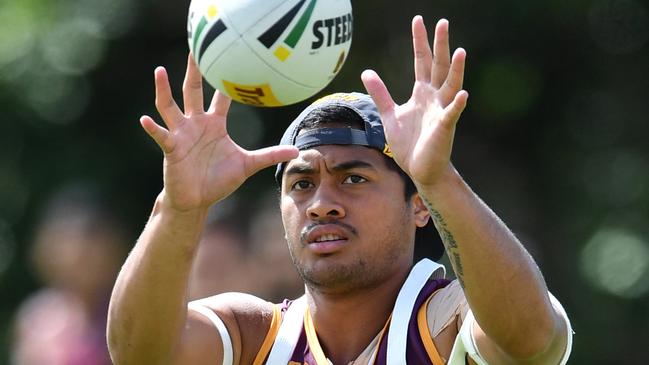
(290, 218)
(387, 217)
(381, 205)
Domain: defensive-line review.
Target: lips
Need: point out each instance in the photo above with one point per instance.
(326, 232)
(327, 238)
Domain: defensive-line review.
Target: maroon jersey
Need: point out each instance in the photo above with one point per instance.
(420, 348)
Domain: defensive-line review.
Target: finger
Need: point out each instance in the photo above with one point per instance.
(455, 78)
(441, 54)
(220, 104)
(157, 133)
(164, 101)
(193, 88)
(421, 48)
(265, 157)
(379, 93)
(453, 111)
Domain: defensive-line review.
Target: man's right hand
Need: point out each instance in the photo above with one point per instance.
(202, 164)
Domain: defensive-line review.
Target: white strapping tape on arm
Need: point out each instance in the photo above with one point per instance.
(557, 305)
(220, 326)
(398, 332)
(288, 333)
(465, 343)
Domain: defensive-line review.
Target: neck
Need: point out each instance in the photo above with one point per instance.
(347, 323)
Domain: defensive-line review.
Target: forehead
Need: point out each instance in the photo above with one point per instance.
(332, 155)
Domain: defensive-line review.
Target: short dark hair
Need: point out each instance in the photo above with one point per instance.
(340, 116)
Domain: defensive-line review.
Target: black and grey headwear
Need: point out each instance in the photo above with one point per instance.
(362, 104)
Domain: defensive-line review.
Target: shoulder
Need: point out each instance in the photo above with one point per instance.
(445, 312)
(241, 311)
(446, 306)
(247, 319)
(240, 305)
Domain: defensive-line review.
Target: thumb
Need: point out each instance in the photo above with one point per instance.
(454, 110)
(265, 157)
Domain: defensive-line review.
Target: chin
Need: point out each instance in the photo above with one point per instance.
(328, 276)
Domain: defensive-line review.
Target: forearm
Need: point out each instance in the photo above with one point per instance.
(501, 281)
(148, 304)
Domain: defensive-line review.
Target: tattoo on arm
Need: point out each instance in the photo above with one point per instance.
(449, 241)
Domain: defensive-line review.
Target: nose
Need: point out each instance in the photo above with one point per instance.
(325, 203)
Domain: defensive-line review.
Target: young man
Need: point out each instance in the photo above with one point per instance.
(348, 169)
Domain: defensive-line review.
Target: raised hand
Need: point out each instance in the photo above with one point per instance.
(202, 164)
(420, 132)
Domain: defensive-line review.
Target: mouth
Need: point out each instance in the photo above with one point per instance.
(324, 239)
(327, 247)
(327, 238)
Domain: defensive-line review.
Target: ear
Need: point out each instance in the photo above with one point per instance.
(422, 215)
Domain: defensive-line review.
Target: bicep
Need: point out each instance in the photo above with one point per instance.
(557, 351)
(224, 329)
(201, 340)
(473, 346)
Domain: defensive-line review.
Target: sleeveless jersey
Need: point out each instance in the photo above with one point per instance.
(405, 338)
(420, 347)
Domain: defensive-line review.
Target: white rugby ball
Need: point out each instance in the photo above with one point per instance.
(270, 52)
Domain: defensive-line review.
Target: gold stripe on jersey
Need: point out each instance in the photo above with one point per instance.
(270, 336)
(381, 334)
(312, 339)
(424, 332)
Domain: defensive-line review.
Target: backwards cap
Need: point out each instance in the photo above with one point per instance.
(362, 104)
(427, 238)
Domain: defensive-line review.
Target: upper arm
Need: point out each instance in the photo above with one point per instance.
(245, 318)
(447, 311)
(557, 351)
(444, 310)
(200, 342)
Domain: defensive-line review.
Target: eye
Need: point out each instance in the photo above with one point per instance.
(301, 185)
(354, 179)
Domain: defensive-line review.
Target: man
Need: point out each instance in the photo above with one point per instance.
(351, 234)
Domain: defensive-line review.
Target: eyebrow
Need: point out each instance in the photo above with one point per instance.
(299, 169)
(343, 166)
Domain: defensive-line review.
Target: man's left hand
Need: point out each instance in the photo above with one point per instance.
(420, 132)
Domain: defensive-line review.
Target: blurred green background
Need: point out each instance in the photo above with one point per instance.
(554, 138)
